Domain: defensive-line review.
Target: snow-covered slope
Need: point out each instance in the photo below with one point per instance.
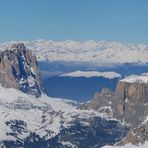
(88, 51)
(15, 105)
(88, 74)
(26, 121)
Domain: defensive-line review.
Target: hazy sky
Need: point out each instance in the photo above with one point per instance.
(111, 20)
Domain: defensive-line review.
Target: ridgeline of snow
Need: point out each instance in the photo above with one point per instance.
(88, 51)
(136, 79)
(88, 74)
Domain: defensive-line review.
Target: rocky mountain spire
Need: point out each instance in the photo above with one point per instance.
(19, 69)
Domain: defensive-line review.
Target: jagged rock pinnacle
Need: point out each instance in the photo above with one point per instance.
(19, 69)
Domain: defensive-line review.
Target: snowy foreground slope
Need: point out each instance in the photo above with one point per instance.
(46, 122)
(88, 51)
(20, 106)
(26, 121)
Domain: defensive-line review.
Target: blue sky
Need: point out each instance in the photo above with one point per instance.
(111, 20)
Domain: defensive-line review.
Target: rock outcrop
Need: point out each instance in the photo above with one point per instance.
(19, 69)
(134, 101)
(134, 104)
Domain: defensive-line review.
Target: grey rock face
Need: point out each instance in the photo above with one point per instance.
(134, 97)
(128, 103)
(19, 69)
(101, 102)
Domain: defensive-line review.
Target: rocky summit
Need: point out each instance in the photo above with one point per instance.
(19, 69)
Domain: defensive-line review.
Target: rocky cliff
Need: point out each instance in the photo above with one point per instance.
(134, 101)
(19, 69)
(129, 103)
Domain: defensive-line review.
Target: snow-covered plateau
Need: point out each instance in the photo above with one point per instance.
(136, 79)
(88, 74)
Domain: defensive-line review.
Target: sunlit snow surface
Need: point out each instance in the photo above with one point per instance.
(89, 74)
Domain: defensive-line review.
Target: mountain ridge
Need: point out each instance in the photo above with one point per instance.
(94, 51)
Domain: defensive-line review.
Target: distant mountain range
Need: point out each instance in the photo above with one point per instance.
(88, 51)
